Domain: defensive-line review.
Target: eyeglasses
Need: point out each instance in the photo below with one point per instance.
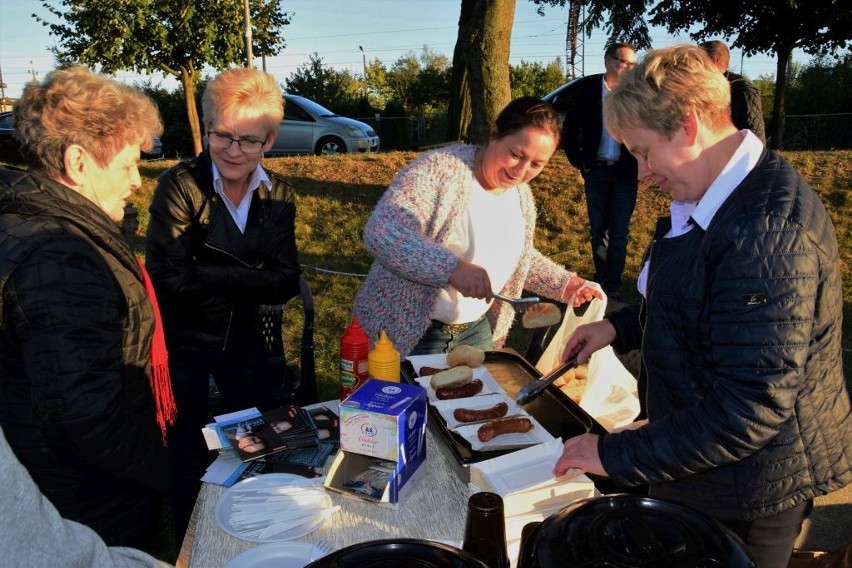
(222, 141)
(625, 62)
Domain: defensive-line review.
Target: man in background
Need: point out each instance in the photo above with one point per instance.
(746, 110)
(609, 171)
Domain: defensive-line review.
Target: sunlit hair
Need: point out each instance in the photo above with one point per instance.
(243, 94)
(661, 91)
(523, 112)
(75, 106)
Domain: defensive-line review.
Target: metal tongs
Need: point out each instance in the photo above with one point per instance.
(520, 304)
(533, 389)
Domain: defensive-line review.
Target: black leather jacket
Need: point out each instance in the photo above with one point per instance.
(741, 344)
(210, 278)
(75, 395)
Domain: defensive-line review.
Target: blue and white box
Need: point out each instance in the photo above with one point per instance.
(385, 421)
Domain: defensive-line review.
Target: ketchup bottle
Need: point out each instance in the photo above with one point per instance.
(354, 352)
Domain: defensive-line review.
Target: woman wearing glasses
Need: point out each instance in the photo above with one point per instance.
(221, 242)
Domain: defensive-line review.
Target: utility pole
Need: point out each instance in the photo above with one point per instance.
(2, 92)
(249, 56)
(364, 57)
(33, 73)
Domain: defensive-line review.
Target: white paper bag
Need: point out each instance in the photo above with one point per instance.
(611, 396)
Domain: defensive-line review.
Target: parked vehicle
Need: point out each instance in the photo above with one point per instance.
(310, 128)
(8, 142)
(561, 97)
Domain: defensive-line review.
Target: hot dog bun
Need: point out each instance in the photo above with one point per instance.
(465, 355)
(452, 377)
(544, 314)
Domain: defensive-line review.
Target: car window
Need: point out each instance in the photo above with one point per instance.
(292, 111)
(6, 121)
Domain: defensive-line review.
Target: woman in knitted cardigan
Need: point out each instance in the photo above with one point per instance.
(457, 225)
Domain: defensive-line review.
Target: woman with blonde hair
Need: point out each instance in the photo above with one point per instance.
(748, 412)
(221, 242)
(79, 401)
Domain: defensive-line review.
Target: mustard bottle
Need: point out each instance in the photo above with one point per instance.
(383, 360)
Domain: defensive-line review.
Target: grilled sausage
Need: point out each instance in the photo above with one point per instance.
(426, 371)
(504, 426)
(464, 391)
(475, 415)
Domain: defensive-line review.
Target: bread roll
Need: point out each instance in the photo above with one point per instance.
(541, 315)
(452, 377)
(465, 355)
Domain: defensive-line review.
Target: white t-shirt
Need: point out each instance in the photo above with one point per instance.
(491, 235)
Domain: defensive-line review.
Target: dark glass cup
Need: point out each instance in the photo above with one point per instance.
(485, 530)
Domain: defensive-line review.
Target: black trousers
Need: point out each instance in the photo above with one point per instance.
(244, 379)
(771, 539)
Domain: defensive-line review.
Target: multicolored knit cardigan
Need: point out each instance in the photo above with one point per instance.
(406, 234)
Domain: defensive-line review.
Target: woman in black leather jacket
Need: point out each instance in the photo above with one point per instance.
(76, 400)
(221, 243)
(748, 412)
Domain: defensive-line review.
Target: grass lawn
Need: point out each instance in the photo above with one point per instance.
(335, 195)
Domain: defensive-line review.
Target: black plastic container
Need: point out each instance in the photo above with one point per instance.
(629, 531)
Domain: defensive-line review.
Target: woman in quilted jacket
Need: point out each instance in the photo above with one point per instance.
(748, 412)
(80, 399)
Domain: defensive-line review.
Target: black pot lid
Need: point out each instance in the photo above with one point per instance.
(398, 553)
(631, 531)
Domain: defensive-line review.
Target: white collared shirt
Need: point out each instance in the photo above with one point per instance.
(608, 149)
(240, 212)
(684, 213)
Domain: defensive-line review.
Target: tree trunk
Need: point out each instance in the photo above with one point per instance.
(480, 79)
(187, 80)
(775, 140)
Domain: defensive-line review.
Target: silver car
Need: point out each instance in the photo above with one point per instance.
(310, 128)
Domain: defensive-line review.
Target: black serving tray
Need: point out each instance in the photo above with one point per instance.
(557, 413)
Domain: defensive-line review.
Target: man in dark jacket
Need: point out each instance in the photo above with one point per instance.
(746, 110)
(608, 169)
(76, 326)
(748, 411)
(221, 243)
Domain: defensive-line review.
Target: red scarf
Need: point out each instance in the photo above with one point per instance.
(161, 384)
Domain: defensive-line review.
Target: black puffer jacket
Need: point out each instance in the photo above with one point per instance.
(210, 278)
(75, 335)
(748, 407)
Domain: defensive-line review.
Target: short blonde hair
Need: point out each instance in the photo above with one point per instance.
(664, 88)
(244, 94)
(76, 106)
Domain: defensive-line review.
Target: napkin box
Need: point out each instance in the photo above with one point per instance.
(385, 420)
(382, 424)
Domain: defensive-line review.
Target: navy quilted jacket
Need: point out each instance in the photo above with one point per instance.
(75, 334)
(741, 346)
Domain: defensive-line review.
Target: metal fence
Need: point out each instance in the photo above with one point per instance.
(812, 132)
(817, 131)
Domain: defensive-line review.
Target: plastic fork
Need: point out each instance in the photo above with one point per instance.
(320, 549)
(520, 304)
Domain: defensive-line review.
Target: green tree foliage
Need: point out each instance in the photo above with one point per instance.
(818, 27)
(174, 37)
(623, 20)
(816, 87)
(322, 84)
(535, 79)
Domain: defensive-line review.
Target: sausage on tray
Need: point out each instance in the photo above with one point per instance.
(475, 415)
(505, 426)
(468, 389)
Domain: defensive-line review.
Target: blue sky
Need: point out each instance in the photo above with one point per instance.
(386, 29)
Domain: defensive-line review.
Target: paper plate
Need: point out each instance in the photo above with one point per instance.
(275, 555)
(314, 504)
